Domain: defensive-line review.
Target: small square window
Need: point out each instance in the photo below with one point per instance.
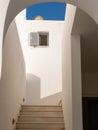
(43, 38)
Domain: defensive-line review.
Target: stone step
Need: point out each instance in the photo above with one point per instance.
(43, 125)
(41, 129)
(40, 119)
(35, 116)
(41, 108)
(43, 113)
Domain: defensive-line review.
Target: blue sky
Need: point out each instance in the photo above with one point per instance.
(48, 10)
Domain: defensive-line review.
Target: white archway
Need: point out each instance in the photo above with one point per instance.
(10, 8)
(15, 7)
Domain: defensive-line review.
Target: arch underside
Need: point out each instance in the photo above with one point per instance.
(16, 6)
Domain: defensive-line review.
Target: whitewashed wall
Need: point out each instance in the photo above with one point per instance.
(43, 64)
(12, 83)
(71, 71)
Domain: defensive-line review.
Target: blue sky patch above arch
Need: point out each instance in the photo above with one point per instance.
(48, 10)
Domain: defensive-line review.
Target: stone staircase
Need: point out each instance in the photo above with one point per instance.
(40, 118)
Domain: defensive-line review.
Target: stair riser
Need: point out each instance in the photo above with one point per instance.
(42, 113)
(42, 109)
(29, 119)
(42, 126)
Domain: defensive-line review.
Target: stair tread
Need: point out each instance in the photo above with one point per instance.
(41, 110)
(40, 122)
(41, 106)
(39, 129)
(40, 116)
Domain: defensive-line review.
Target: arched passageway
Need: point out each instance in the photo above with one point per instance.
(14, 8)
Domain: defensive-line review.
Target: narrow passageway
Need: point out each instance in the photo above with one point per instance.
(45, 61)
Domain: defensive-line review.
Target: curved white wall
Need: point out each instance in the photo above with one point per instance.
(89, 6)
(13, 79)
(3, 10)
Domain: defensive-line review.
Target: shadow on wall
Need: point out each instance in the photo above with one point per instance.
(32, 89)
(33, 93)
